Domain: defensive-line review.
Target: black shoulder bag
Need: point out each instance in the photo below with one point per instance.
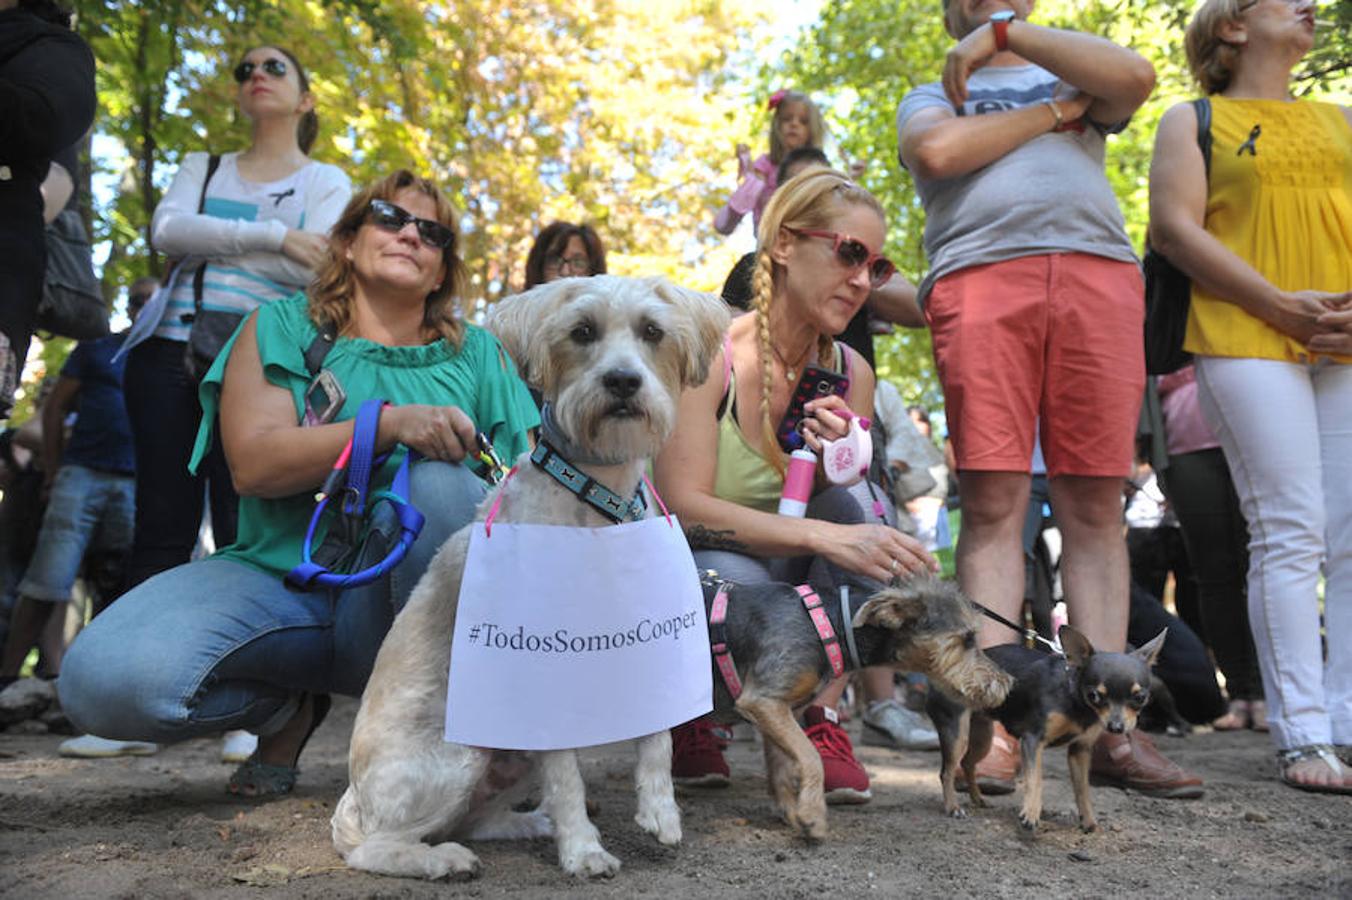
(1168, 292)
(72, 300)
(210, 328)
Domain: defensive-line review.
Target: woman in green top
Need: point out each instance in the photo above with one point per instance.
(223, 643)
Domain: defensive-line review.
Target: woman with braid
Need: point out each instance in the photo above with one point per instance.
(722, 471)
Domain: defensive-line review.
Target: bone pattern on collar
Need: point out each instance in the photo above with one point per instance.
(587, 489)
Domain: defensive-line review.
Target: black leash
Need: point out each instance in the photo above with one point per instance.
(1028, 633)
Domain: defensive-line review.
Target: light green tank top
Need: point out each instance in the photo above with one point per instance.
(743, 476)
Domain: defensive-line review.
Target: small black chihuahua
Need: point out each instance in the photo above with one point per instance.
(1055, 701)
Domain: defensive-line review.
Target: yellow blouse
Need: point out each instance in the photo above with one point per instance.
(1281, 198)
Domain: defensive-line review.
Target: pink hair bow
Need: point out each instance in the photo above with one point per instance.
(777, 98)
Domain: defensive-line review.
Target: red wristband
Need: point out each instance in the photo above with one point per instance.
(1001, 29)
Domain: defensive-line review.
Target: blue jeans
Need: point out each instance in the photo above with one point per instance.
(87, 509)
(216, 645)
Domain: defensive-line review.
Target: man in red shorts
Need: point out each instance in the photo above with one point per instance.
(1034, 299)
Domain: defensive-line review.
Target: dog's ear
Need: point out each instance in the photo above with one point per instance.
(702, 321)
(1150, 652)
(893, 608)
(516, 321)
(1076, 646)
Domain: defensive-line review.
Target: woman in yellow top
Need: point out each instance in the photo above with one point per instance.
(722, 471)
(1268, 245)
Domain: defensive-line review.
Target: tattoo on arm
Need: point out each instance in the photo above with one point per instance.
(701, 538)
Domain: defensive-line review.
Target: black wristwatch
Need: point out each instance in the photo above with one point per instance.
(1000, 26)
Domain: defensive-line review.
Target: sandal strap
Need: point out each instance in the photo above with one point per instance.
(1324, 752)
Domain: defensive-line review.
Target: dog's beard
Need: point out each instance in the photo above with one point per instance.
(600, 428)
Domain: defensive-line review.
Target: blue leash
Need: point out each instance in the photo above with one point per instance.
(351, 477)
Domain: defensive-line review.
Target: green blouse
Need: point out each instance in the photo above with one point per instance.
(480, 378)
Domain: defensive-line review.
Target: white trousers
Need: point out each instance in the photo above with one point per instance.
(1286, 429)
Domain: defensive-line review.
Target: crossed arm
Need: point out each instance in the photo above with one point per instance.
(1112, 82)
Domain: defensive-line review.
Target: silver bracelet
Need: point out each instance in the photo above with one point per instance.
(1056, 111)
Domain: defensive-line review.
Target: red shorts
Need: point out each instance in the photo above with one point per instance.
(1055, 339)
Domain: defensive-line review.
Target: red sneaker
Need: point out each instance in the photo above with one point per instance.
(697, 755)
(845, 780)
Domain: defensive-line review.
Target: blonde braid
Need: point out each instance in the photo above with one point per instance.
(826, 351)
(762, 288)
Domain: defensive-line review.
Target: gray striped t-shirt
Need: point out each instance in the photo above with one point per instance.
(1049, 195)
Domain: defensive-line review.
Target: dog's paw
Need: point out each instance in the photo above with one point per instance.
(662, 821)
(590, 862)
(1089, 826)
(809, 820)
(451, 860)
(1027, 822)
(957, 812)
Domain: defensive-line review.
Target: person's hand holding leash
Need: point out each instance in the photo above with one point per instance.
(437, 432)
(875, 551)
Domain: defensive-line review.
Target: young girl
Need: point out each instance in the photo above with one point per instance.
(796, 123)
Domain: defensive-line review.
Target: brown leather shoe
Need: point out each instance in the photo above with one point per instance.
(1133, 761)
(997, 770)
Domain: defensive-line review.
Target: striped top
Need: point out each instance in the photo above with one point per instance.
(240, 232)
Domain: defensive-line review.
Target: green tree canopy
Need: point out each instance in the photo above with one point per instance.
(862, 56)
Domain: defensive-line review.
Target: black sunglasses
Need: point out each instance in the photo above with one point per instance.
(854, 253)
(386, 215)
(274, 67)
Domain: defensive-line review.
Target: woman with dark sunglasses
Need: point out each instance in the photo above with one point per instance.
(254, 233)
(723, 470)
(224, 642)
(247, 228)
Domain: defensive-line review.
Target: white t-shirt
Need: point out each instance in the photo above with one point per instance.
(240, 232)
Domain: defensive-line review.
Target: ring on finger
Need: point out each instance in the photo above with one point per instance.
(895, 565)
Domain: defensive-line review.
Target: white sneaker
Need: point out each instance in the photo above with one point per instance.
(89, 746)
(238, 746)
(888, 723)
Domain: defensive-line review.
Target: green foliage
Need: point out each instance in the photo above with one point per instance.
(864, 55)
(611, 111)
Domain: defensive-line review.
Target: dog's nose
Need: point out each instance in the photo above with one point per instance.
(1117, 727)
(622, 383)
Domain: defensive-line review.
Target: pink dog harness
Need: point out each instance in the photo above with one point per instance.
(718, 638)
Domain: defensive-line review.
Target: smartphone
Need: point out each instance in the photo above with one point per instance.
(814, 383)
(324, 398)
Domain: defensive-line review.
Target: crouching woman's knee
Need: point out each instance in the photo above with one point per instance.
(97, 693)
(118, 680)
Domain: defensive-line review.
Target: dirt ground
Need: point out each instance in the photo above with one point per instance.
(162, 826)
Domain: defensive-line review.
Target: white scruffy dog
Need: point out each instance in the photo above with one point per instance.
(611, 355)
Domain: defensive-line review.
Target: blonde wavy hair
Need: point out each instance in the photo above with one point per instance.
(813, 200)
(816, 125)
(332, 291)
(1211, 59)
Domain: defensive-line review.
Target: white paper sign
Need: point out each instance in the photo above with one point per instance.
(570, 637)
